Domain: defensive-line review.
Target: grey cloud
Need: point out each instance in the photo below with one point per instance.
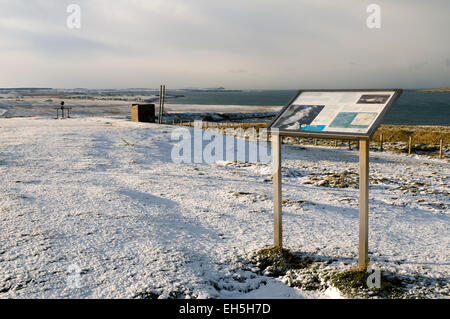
(287, 42)
(418, 65)
(238, 71)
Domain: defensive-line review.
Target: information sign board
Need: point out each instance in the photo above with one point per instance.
(335, 114)
(345, 114)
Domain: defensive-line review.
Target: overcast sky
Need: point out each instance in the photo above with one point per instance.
(258, 44)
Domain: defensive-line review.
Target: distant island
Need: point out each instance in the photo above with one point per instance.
(215, 90)
(435, 90)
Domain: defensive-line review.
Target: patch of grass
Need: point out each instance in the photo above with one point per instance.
(350, 279)
(310, 281)
(342, 179)
(318, 273)
(426, 135)
(277, 261)
(353, 283)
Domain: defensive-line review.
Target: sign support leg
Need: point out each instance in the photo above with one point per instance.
(363, 259)
(277, 214)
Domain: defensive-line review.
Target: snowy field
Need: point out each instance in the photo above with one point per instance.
(102, 195)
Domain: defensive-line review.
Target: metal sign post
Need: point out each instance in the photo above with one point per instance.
(160, 104)
(332, 114)
(277, 197)
(363, 259)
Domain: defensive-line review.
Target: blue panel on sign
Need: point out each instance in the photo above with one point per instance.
(313, 128)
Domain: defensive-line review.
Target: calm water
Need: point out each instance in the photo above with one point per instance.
(418, 108)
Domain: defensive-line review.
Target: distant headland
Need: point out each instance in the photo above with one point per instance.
(435, 90)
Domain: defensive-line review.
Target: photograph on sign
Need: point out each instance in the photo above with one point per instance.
(334, 112)
(300, 115)
(373, 99)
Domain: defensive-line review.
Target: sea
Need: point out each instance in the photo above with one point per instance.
(412, 108)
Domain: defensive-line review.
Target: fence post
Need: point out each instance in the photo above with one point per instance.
(410, 145)
(381, 142)
(441, 144)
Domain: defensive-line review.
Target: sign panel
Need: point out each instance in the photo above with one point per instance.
(335, 113)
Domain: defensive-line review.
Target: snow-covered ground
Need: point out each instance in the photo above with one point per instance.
(102, 195)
